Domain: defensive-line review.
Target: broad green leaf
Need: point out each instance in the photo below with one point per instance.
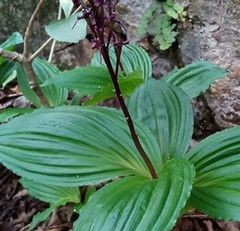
(133, 57)
(196, 77)
(42, 216)
(217, 162)
(15, 39)
(69, 30)
(167, 112)
(136, 203)
(6, 70)
(25, 87)
(10, 78)
(76, 98)
(90, 191)
(44, 71)
(56, 96)
(74, 146)
(127, 84)
(67, 6)
(9, 113)
(86, 80)
(51, 194)
(55, 195)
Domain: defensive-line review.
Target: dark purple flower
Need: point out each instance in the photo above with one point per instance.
(97, 3)
(101, 18)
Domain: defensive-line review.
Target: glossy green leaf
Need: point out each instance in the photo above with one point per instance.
(69, 30)
(6, 70)
(217, 162)
(10, 78)
(51, 194)
(73, 146)
(137, 204)
(196, 77)
(55, 195)
(9, 113)
(25, 87)
(67, 6)
(56, 96)
(76, 98)
(133, 57)
(127, 84)
(44, 71)
(86, 80)
(42, 216)
(167, 112)
(15, 39)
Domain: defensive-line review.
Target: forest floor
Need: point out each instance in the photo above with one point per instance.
(17, 207)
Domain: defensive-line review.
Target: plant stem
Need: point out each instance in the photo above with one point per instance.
(54, 41)
(40, 49)
(114, 76)
(11, 55)
(29, 28)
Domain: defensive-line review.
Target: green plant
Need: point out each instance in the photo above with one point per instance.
(160, 24)
(141, 149)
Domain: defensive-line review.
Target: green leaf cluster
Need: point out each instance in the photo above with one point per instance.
(161, 23)
(57, 150)
(95, 80)
(7, 67)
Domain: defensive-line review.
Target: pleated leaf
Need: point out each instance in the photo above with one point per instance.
(55, 195)
(56, 96)
(9, 113)
(196, 77)
(166, 110)
(217, 162)
(133, 57)
(44, 70)
(6, 69)
(73, 146)
(51, 194)
(137, 204)
(42, 216)
(24, 86)
(86, 80)
(127, 84)
(15, 39)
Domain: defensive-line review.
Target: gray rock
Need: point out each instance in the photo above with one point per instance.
(131, 13)
(215, 31)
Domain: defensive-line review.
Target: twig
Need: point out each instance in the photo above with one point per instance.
(33, 82)
(27, 62)
(29, 28)
(54, 41)
(24, 228)
(25, 59)
(11, 55)
(224, 15)
(40, 49)
(197, 216)
(77, 10)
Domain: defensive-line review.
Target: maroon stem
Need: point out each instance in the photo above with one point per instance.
(114, 76)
